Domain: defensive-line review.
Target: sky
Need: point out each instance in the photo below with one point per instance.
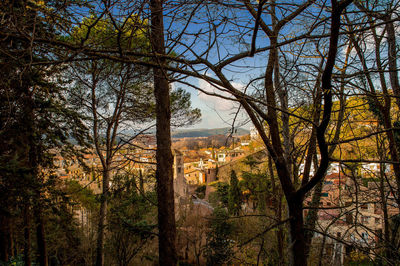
(216, 112)
(211, 35)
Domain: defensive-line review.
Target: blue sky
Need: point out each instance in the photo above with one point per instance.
(232, 30)
(216, 112)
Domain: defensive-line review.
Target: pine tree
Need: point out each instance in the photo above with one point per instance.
(219, 248)
(234, 198)
(35, 124)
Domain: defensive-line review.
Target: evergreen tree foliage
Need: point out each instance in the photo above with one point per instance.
(131, 220)
(219, 248)
(235, 195)
(36, 125)
(221, 196)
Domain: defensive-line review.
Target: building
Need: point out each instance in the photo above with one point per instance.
(254, 133)
(351, 212)
(180, 185)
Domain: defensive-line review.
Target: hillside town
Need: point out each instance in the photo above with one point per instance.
(350, 207)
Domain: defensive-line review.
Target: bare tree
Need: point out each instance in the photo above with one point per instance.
(267, 109)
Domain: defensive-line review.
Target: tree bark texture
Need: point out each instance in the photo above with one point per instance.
(102, 219)
(297, 247)
(27, 236)
(164, 174)
(4, 237)
(41, 238)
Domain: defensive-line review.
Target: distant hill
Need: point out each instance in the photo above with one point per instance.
(195, 133)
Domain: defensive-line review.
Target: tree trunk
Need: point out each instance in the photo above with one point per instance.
(141, 182)
(41, 237)
(297, 246)
(27, 236)
(277, 203)
(392, 56)
(312, 217)
(4, 237)
(295, 201)
(32, 161)
(386, 237)
(164, 174)
(102, 219)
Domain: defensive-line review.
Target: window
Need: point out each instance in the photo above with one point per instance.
(364, 219)
(325, 194)
(179, 170)
(349, 218)
(377, 220)
(379, 233)
(364, 206)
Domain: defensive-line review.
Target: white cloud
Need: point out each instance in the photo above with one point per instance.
(214, 102)
(216, 112)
